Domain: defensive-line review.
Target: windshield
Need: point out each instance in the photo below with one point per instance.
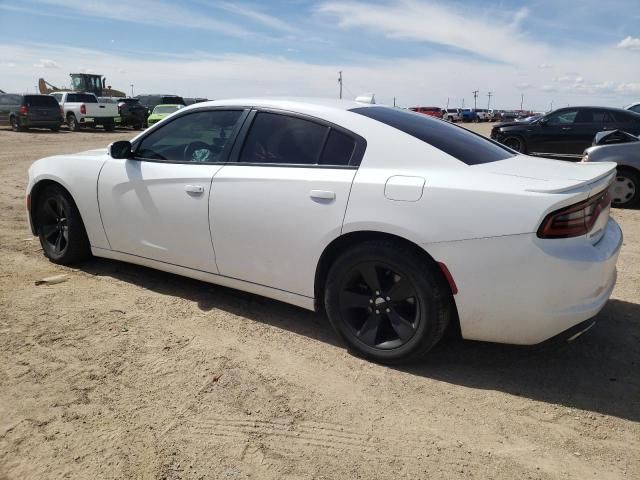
(166, 108)
(466, 146)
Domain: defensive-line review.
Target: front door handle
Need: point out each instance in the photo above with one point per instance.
(322, 195)
(566, 128)
(196, 189)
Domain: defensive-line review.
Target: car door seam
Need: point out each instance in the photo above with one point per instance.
(98, 201)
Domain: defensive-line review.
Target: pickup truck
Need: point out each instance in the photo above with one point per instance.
(83, 109)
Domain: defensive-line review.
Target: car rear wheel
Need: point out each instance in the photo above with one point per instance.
(387, 302)
(15, 124)
(60, 228)
(515, 143)
(625, 190)
(73, 122)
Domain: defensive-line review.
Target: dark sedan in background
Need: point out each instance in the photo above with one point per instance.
(566, 132)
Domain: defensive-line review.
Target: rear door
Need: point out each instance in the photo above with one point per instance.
(283, 200)
(156, 205)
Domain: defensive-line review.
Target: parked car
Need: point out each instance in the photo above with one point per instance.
(132, 112)
(566, 132)
(483, 114)
(83, 110)
(508, 116)
(431, 111)
(162, 111)
(623, 149)
(23, 112)
(469, 115)
(358, 210)
(634, 107)
(191, 101)
(452, 114)
(151, 101)
(495, 115)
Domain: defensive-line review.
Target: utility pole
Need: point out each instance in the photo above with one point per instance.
(447, 103)
(475, 99)
(489, 103)
(462, 103)
(551, 106)
(340, 82)
(132, 89)
(521, 100)
(394, 102)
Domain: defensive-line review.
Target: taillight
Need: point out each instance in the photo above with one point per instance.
(574, 220)
(83, 109)
(24, 110)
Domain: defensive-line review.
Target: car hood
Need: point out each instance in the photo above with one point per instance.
(550, 176)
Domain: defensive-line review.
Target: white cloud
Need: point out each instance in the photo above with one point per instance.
(545, 66)
(149, 12)
(524, 86)
(629, 43)
(491, 34)
(45, 63)
(257, 16)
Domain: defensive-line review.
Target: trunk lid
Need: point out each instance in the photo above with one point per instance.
(553, 176)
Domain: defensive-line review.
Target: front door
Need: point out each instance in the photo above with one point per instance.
(274, 211)
(156, 205)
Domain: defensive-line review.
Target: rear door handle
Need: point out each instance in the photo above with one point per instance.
(197, 189)
(322, 194)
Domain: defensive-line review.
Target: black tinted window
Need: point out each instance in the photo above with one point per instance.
(277, 138)
(624, 117)
(81, 98)
(563, 117)
(338, 149)
(40, 101)
(458, 142)
(195, 137)
(10, 99)
(635, 108)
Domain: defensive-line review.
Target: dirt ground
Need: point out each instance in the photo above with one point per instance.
(123, 372)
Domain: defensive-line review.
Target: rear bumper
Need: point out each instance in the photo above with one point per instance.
(30, 123)
(524, 290)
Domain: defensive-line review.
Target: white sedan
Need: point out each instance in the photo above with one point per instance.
(399, 225)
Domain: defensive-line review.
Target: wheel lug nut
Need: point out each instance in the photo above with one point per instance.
(388, 310)
(388, 298)
(378, 312)
(370, 300)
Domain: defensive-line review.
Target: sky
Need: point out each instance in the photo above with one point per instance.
(543, 53)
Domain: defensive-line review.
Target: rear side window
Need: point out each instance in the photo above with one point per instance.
(460, 143)
(338, 150)
(10, 99)
(81, 98)
(275, 138)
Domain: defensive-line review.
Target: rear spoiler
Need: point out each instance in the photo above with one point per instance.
(604, 173)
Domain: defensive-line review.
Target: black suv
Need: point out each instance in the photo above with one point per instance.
(30, 111)
(132, 112)
(151, 101)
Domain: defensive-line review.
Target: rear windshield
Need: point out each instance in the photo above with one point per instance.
(173, 100)
(40, 101)
(130, 101)
(466, 146)
(81, 97)
(166, 108)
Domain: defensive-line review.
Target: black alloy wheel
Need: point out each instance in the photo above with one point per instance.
(60, 228)
(388, 302)
(514, 143)
(379, 305)
(15, 124)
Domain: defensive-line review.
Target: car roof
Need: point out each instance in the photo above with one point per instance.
(294, 104)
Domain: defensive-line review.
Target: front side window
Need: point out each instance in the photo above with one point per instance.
(275, 138)
(635, 108)
(460, 143)
(195, 137)
(564, 117)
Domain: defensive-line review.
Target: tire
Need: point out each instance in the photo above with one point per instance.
(56, 215)
(515, 142)
(476, 119)
(74, 126)
(55, 129)
(15, 124)
(372, 322)
(625, 190)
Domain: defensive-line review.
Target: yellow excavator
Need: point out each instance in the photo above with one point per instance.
(83, 82)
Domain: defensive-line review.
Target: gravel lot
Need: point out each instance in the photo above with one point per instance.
(124, 372)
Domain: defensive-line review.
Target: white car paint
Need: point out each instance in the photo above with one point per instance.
(263, 229)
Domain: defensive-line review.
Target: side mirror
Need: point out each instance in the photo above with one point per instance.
(543, 121)
(120, 149)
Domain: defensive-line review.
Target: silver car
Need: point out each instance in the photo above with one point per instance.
(624, 149)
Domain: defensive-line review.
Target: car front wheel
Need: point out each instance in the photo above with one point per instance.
(625, 190)
(60, 228)
(389, 303)
(515, 143)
